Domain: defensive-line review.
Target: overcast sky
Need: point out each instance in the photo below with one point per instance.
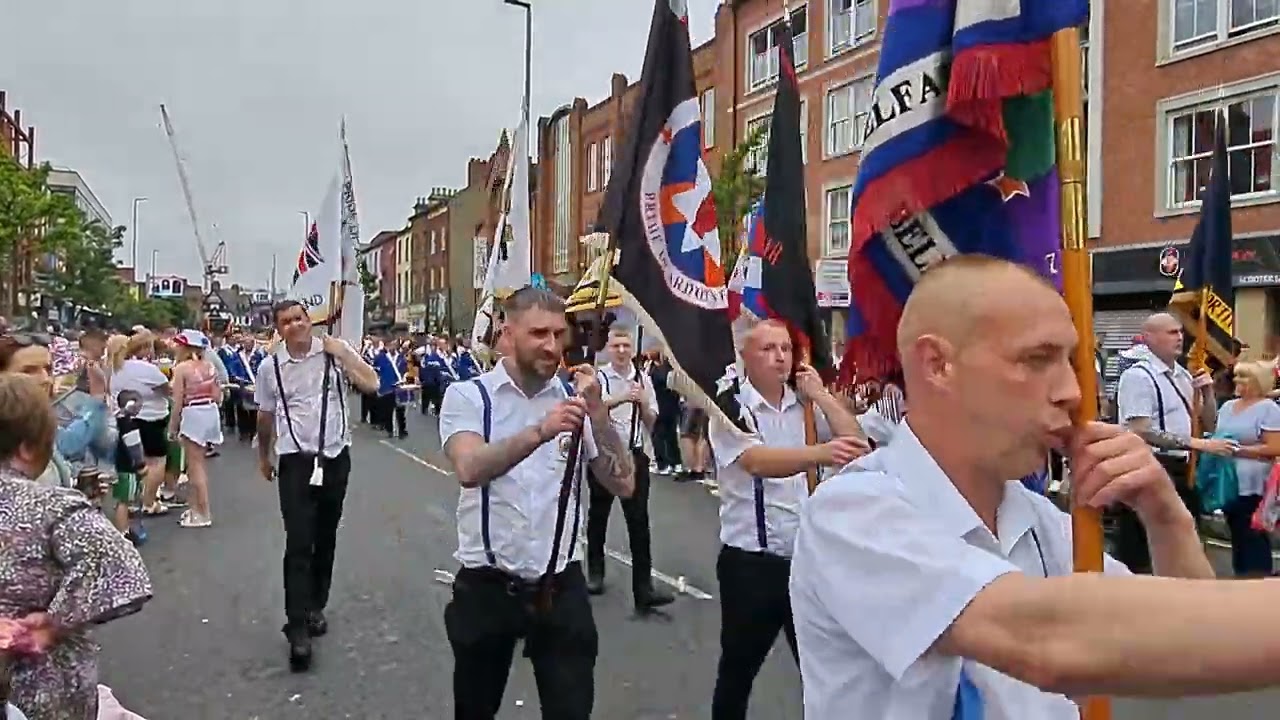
(256, 89)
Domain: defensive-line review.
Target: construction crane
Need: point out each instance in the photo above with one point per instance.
(214, 264)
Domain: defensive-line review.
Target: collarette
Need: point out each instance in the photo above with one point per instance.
(317, 347)
(611, 371)
(1162, 367)
(929, 488)
(503, 378)
(752, 398)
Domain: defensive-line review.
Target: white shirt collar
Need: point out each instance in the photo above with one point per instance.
(317, 347)
(502, 378)
(750, 397)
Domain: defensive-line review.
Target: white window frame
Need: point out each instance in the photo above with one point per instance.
(1170, 110)
(847, 27)
(804, 130)
(758, 159)
(593, 165)
(828, 246)
(1223, 31)
(561, 229)
(607, 157)
(707, 106)
(433, 243)
(860, 88)
(765, 73)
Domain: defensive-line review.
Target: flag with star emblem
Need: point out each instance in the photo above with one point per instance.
(957, 156)
(659, 212)
(777, 282)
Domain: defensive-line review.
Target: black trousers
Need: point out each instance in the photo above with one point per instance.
(311, 516)
(236, 416)
(1250, 549)
(368, 405)
(490, 612)
(1131, 539)
(755, 604)
(431, 397)
(635, 510)
(666, 440)
(390, 414)
(230, 402)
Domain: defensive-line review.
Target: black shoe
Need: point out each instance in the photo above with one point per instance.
(316, 623)
(651, 598)
(595, 583)
(404, 434)
(299, 648)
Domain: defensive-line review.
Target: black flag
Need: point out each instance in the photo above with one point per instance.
(1207, 280)
(781, 240)
(659, 211)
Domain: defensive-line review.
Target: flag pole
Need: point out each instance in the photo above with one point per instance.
(1077, 284)
(1198, 362)
(810, 422)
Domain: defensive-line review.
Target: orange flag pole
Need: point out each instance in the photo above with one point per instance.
(1077, 285)
(810, 425)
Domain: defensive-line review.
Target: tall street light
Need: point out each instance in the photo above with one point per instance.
(306, 231)
(136, 202)
(528, 47)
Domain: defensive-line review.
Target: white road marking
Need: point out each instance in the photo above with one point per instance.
(677, 583)
(1223, 544)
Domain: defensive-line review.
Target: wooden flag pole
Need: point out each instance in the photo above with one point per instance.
(1077, 284)
(1198, 362)
(810, 423)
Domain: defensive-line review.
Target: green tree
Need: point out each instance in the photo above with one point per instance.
(369, 283)
(736, 188)
(33, 222)
(85, 273)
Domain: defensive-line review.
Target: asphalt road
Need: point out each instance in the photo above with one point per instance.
(209, 644)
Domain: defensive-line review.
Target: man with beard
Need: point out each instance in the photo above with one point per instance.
(304, 427)
(508, 434)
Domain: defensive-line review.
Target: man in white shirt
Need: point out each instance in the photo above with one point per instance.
(633, 409)
(927, 582)
(762, 487)
(509, 435)
(304, 427)
(1155, 399)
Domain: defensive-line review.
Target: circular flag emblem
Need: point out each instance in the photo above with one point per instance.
(679, 213)
(1170, 261)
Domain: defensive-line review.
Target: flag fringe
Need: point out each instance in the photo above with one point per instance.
(923, 182)
(679, 380)
(982, 78)
(873, 354)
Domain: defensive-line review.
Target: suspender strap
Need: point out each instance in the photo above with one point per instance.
(324, 403)
(1159, 397)
(484, 489)
(762, 537)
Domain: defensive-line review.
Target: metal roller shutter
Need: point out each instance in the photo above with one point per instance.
(1116, 329)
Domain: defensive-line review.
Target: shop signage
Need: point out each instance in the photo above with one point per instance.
(1255, 263)
(831, 282)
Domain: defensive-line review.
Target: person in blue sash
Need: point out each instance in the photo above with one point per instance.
(464, 365)
(224, 347)
(242, 360)
(391, 365)
(369, 350)
(435, 374)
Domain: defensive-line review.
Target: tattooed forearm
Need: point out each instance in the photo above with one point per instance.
(613, 465)
(1163, 440)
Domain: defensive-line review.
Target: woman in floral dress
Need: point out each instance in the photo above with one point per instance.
(63, 568)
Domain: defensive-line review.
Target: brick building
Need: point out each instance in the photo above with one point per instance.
(1171, 70)
(380, 260)
(576, 144)
(17, 142)
(429, 226)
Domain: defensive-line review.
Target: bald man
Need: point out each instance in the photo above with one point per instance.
(926, 582)
(1156, 398)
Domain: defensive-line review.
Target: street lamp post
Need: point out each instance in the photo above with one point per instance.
(528, 47)
(306, 231)
(136, 202)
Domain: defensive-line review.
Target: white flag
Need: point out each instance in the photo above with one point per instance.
(510, 257)
(350, 325)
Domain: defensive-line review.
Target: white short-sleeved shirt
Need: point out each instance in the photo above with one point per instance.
(522, 503)
(303, 391)
(740, 519)
(143, 378)
(888, 555)
(1150, 385)
(616, 384)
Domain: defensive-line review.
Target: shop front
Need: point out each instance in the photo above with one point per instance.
(1131, 283)
(831, 283)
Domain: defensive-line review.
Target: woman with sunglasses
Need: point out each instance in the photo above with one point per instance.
(63, 568)
(28, 354)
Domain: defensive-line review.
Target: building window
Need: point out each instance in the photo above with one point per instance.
(838, 227)
(849, 23)
(1196, 23)
(432, 251)
(707, 104)
(762, 46)
(804, 131)
(1251, 148)
(561, 226)
(756, 159)
(444, 245)
(848, 107)
(607, 154)
(593, 166)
